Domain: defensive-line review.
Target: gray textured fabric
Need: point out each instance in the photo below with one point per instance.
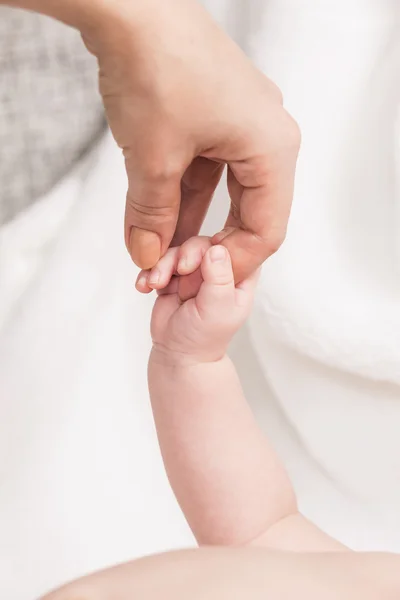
(50, 109)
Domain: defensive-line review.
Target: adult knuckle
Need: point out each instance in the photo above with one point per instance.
(270, 90)
(292, 131)
(150, 207)
(282, 133)
(160, 170)
(273, 241)
(276, 92)
(279, 135)
(142, 209)
(251, 173)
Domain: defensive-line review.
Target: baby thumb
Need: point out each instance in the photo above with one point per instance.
(217, 291)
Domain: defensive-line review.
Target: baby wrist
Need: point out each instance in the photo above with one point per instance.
(175, 359)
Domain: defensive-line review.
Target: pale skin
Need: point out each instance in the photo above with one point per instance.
(229, 482)
(242, 574)
(173, 88)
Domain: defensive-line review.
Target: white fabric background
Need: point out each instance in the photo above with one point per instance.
(81, 482)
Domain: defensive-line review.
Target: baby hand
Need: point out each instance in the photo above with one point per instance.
(200, 329)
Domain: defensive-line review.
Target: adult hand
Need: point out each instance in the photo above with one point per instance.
(183, 101)
(243, 574)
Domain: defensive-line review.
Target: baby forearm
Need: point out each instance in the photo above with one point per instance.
(227, 478)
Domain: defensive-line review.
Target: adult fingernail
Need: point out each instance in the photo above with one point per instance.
(154, 277)
(144, 247)
(217, 254)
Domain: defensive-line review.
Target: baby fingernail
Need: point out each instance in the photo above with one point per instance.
(218, 254)
(141, 281)
(183, 264)
(154, 277)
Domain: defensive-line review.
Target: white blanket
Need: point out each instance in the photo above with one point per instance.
(81, 481)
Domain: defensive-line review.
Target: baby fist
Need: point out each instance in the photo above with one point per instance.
(200, 329)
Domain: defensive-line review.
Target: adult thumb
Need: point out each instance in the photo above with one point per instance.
(151, 215)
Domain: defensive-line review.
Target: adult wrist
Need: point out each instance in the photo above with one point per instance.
(76, 13)
(86, 15)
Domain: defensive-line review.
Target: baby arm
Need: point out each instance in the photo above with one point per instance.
(231, 485)
(226, 477)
